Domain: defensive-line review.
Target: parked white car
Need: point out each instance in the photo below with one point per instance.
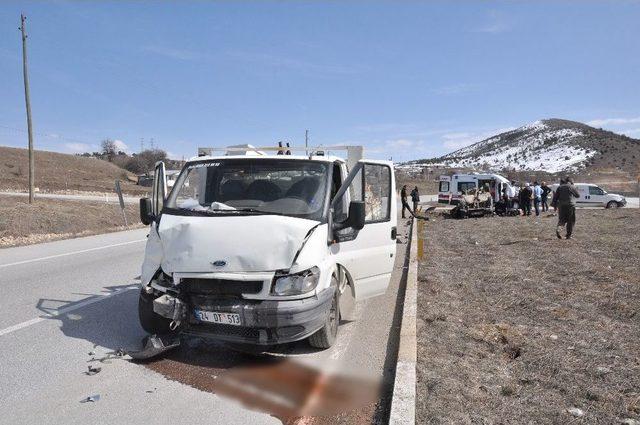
(593, 196)
(266, 249)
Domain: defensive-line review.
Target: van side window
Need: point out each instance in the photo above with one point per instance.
(444, 186)
(341, 209)
(466, 187)
(377, 192)
(595, 190)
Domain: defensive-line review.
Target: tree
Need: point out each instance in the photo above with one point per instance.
(109, 148)
(145, 161)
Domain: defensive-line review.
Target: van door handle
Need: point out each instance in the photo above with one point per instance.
(394, 232)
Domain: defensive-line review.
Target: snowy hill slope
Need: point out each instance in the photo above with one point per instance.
(551, 145)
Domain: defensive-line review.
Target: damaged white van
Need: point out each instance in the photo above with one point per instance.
(266, 249)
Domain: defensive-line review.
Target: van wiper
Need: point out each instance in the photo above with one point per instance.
(258, 212)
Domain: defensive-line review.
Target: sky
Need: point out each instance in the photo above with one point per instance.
(407, 80)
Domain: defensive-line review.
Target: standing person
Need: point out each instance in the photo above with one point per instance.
(403, 198)
(546, 190)
(564, 201)
(525, 199)
(537, 197)
(415, 197)
(505, 196)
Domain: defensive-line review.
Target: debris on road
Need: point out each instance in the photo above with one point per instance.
(91, 399)
(152, 346)
(93, 370)
(574, 411)
(120, 352)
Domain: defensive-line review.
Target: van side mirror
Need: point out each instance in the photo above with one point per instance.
(355, 218)
(145, 211)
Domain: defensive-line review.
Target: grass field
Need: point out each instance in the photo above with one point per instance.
(516, 326)
(51, 219)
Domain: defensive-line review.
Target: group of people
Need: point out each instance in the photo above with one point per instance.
(538, 195)
(415, 198)
(564, 202)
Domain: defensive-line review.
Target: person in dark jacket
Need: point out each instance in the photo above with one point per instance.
(525, 199)
(546, 190)
(415, 197)
(564, 201)
(403, 198)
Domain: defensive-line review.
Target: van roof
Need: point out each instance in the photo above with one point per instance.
(478, 176)
(320, 158)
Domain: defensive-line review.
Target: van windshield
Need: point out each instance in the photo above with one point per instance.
(295, 188)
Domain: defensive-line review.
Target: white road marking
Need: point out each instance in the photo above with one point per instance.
(69, 253)
(82, 304)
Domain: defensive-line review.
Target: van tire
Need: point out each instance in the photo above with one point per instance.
(150, 321)
(327, 335)
(612, 204)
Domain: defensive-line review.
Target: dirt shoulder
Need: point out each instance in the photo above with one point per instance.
(51, 219)
(516, 326)
(63, 173)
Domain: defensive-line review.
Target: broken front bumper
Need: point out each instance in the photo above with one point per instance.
(263, 322)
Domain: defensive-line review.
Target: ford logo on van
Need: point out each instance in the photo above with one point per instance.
(219, 263)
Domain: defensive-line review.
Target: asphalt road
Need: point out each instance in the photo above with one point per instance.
(66, 299)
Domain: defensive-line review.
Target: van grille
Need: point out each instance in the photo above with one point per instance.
(251, 334)
(221, 287)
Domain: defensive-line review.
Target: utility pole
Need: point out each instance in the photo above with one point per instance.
(141, 144)
(306, 142)
(152, 145)
(28, 102)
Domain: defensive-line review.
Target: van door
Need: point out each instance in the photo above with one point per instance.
(367, 254)
(585, 199)
(597, 196)
(159, 189)
(444, 190)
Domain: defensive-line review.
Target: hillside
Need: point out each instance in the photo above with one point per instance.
(58, 172)
(551, 145)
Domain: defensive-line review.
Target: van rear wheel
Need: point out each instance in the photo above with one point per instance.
(327, 335)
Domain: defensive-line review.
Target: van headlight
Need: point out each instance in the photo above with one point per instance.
(296, 284)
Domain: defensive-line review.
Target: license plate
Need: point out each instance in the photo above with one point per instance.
(218, 317)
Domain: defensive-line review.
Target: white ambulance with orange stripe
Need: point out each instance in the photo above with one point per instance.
(451, 188)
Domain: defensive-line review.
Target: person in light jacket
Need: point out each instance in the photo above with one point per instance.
(537, 197)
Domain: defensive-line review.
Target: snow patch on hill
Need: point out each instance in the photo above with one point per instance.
(535, 146)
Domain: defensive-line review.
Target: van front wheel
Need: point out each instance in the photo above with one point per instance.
(612, 204)
(327, 335)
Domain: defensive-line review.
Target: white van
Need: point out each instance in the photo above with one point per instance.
(593, 196)
(266, 249)
(452, 188)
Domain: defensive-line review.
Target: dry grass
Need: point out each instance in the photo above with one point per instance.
(58, 172)
(516, 326)
(51, 219)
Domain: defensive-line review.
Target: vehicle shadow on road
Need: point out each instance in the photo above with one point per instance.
(108, 319)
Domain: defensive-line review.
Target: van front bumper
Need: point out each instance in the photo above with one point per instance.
(263, 322)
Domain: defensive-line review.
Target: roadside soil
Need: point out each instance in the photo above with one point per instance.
(52, 219)
(516, 326)
(63, 173)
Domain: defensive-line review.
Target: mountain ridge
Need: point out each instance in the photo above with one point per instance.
(552, 145)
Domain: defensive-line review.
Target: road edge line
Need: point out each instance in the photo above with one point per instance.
(403, 402)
